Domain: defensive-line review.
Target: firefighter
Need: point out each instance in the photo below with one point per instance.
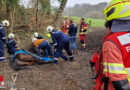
(36, 35)
(115, 54)
(60, 42)
(11, 44)
(3, 25)
(72, 33)
(44, 45)
(65, 26)
(83, 33)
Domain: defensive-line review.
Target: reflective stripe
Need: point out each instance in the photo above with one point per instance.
(55, 44)
(71, 56)
(85, 27)
(1, 27)
(125, 9)
(56, 58)
(114, 68)
(82, 32)
(117, 72)
(10, 41)
(2, 57)
(104, 67)
(84, 45)
(3, 37)
(128, 74)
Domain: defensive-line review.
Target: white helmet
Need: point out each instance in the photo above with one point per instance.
(35, 34)
(34, 39)
(11, 35)
(49, 29)
(5, 22)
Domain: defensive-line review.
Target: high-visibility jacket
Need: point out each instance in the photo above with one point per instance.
(83, 28)
(117, 68)
(38, 42)
(65, 27)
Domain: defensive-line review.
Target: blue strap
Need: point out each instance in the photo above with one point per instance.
(26, 52)
(20, 51)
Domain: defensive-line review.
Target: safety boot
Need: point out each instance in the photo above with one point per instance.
(71, 58)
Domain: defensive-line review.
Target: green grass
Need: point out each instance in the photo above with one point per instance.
(94, 22)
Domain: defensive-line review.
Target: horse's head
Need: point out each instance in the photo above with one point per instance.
(32, 49)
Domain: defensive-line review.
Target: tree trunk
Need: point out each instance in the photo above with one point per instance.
(11, 19)
(59, 14)
(37, 16)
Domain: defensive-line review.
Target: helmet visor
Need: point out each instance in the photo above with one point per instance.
(120, 26)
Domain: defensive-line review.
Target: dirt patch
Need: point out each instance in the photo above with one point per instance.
(65, 76)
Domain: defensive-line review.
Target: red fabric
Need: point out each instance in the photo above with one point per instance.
(82, 37)
(65, 26)
(113, 55)
(106, 36)
(1, 78)
(83, 24)
(125, 53)
(113, 37)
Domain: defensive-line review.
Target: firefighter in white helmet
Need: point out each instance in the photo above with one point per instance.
(11, 44)
(37, 35)
(3, 25)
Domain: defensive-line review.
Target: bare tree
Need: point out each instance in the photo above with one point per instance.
(59, 13)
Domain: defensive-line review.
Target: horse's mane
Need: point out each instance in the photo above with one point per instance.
(32, 49)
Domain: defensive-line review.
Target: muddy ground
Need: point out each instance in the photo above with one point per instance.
(64, 76)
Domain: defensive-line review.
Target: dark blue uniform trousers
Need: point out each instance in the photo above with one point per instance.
(46, 47)
(63, 45)
(2, 51)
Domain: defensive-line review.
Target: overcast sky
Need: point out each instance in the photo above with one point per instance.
(70, 2)
(73, 2)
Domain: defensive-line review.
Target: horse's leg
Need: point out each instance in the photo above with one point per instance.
(21, 63)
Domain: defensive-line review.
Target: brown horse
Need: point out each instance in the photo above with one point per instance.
(21, 60)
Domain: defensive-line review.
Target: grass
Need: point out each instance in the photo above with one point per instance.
(94, 22)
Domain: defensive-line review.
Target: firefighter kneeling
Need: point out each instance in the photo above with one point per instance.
(114, 61)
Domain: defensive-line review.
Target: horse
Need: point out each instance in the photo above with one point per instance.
(21, 60)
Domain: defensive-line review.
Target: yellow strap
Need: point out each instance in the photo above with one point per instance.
(128, 76)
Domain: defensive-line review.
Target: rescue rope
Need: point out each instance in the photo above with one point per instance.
(14, 78)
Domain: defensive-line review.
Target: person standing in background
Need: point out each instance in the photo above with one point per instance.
(65, 26)
(83, 33)
(72, 33)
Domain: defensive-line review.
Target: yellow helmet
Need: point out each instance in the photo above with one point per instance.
(117, 9)
(48, 35)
